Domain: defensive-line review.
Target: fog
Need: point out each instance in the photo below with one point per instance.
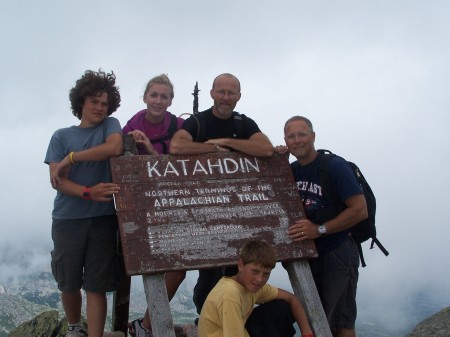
(372, 76)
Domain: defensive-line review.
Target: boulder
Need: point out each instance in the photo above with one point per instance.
(437, 325)
(44, 325)
(48, 324)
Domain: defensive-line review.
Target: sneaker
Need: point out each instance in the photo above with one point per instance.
(137, 330)
(76, 331)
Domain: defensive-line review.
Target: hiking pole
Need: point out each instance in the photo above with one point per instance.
(195, 94)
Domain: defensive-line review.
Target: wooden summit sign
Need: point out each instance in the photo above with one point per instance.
(190, 212)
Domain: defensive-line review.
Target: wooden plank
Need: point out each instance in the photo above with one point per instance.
(121, 297)
(158, 304)
(191, 212)
(121, 300)
(303, 285)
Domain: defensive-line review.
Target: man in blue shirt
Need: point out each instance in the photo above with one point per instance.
(335, 272)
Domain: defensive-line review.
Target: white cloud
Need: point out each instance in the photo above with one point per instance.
(372, 76)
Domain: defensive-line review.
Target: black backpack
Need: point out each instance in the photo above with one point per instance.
(200, 117)
(170, 131)
(365, 229)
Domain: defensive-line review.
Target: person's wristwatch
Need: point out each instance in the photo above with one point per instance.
(87, 193)
(321, 229)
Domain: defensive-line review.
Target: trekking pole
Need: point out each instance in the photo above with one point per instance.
(195, 94)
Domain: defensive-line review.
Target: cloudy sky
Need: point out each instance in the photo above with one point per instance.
(373, 76)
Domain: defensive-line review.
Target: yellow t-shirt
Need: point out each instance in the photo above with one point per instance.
(228, 307)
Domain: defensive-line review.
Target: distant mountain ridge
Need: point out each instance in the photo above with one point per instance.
(28, 289)
(23, 299)
(14, 310)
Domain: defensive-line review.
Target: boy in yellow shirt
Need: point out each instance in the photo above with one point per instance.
(229, 308)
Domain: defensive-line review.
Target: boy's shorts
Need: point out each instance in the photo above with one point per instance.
(85, 254)
(336, 277)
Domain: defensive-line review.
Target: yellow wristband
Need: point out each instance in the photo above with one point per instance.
(71, 158)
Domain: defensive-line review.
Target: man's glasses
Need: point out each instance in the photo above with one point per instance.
(223, 93)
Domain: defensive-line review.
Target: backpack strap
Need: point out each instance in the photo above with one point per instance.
(324, 178)
(378, 243)
(200, 117)
(173, 127)
(170, 131)
(238, 124)
(361, 255)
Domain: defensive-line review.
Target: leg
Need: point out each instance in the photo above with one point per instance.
(96, 313)
(345, 333)
(271, 319)
(173, 281)
(207, 279)
(101, 270)
(67, 264)
(72, 306)
(336, 277)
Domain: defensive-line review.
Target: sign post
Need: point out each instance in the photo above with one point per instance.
(190, 212)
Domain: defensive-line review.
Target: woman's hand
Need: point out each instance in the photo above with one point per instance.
(142, 141)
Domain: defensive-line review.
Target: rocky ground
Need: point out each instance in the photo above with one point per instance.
(48, 324)
(437, 325)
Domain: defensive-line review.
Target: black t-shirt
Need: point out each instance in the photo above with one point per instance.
(213, 127)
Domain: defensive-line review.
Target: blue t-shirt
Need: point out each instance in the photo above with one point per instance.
(316, 205)
(91, 173)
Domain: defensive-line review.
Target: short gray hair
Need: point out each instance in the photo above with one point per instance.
(299, 118)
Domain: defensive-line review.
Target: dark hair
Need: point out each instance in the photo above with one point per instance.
(299, 118)
(94, 83)
(258, 252)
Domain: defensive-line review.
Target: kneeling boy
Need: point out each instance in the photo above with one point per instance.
(229, 308)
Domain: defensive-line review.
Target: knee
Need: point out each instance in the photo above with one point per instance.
(180, 275)
(175, 277)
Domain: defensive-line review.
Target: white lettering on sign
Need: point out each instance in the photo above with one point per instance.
(186, 167)
(252, 197)
(163, 240)
(179, 202)
(226, 189)
(167, 193)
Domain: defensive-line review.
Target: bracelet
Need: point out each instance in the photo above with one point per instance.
(87, 193)
(71, 158)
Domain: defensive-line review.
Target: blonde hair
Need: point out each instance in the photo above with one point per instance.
(160, 79)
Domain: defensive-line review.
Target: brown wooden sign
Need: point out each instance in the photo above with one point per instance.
(191, 212)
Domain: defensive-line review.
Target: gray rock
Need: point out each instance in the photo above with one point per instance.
(43, 325)
(48, 324)
(437, 325)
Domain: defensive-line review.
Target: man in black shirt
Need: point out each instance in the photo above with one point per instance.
(219, 129)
